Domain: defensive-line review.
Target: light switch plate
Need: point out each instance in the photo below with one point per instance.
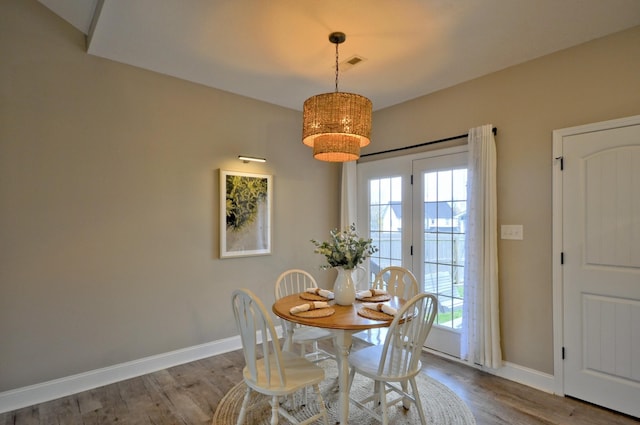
(512, 231)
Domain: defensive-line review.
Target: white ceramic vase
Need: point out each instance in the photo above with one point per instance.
(344, 289)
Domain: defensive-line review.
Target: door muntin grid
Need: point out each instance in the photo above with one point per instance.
(444, 212)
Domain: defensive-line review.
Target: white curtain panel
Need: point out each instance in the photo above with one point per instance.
(481, 327)
(348, 199)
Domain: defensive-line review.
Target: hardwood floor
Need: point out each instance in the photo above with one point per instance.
(188, 394)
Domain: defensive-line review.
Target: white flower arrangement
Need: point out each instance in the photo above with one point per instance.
(345, 248)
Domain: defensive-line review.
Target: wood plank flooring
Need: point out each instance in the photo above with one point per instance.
(188, 394)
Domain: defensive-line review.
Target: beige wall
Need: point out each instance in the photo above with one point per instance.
(593, 82)
(109, 204)
(108, 192)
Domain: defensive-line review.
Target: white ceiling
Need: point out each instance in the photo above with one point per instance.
(278, 50)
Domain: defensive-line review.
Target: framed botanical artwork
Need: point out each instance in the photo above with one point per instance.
(245, 214)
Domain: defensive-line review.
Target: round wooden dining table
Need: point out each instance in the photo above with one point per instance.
(343, 323)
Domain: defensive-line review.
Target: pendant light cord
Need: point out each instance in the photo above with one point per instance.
(336, 67)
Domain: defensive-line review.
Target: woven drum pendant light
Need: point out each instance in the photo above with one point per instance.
(336, 124)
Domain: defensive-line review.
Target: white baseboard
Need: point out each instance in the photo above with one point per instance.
(50, 390)
(513, 372)
(529, 377)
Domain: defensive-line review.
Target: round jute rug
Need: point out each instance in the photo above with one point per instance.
(441, 405)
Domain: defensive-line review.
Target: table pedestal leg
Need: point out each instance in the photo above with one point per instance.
(342, 341)
(288, 336)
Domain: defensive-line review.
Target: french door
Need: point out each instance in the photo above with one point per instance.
(384, 210)
(440, 204)
(414, 209)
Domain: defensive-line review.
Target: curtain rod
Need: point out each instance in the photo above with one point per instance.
(447, 139)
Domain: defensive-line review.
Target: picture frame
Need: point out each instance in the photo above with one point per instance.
(246, 203)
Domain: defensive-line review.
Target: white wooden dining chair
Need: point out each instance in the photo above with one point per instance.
(394, 365)
(269, 370)
(397, 281)
(294, 281)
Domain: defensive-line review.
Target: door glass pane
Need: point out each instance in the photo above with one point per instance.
(445, 208)
(385, 206)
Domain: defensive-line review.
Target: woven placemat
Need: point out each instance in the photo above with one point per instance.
(375, 299)
(318, 312)
(374, 314)
(312, 297)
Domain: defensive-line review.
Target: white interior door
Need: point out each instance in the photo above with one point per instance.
(600, 274)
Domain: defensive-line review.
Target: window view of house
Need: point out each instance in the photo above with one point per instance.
(385, 228)
(445, 207)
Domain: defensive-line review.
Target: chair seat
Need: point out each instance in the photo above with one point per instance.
(372, 336)
(307, 333)
(298, 371)
(367, 362)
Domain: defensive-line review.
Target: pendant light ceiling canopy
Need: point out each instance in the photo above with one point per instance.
(336, 125)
